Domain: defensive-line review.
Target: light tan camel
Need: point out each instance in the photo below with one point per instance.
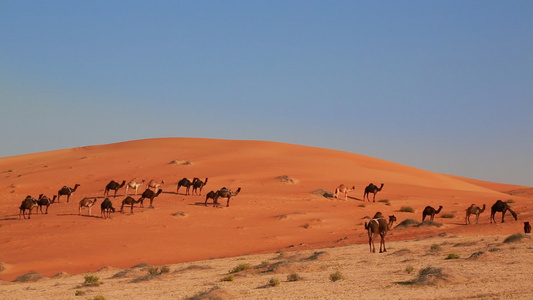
(474, 210)
(134, 185)
(431, 212)
(372, 189)
(128, 201)
(378, 225)
(27, 204)
(67, 190)
(154, 185)
(343, 189)
(87, 202)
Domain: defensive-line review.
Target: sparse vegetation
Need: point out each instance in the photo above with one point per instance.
(239, 268)
(514, 238)
(99, 297)
(273, 282)
(429, 223)
(509, 201)
(408, 222)
(409, 269)
(408, 209)
(386, 201)
(293, 277)
(228, 278)
(452, 256)
(336, 276)
(435, 247)
(429, 276)
(91, 280)
(448, 216)
(79, 293)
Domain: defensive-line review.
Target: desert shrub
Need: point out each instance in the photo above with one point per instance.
(306, 225)
(79, 293)
(409, 269)
(452, 256)
(435, 247)
(91, 280)
(274, 282)
(408, 222)
(362, 205)
(429, 276)
(514, 238)
(293, 277)
(509, 201)
(476, 254)
(99, 297)
(448, 216)
(153, 271)
(386, 201)
(164, 269)
(239, 268)
(407, 209)
(336, 276)
(228, 278)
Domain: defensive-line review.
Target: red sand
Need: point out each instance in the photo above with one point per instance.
(267, 216)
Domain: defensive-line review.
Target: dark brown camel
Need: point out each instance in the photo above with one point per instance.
(115, 186)
(198, 185)
(87, 202)
(186, 183)
(128, 201)
(211, 195)
(474, 210)
(527, 227)
(68, 191)
(27, 204)
(44, 201)
(106, 207)
(343, 189)
(225, 193)
(378, 225)
(502, 207)
(372, 189)
(431, 212)
(149, 194)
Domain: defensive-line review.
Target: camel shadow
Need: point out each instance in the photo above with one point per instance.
(10, 218)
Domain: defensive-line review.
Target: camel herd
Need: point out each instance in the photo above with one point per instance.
(152, 190)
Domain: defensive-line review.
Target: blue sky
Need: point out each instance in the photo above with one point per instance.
(444, 86)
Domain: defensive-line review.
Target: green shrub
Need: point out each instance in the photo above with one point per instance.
(336, 276)
(409, 269)
(91, 280)
(273, 282)
(79, 293)
(452, 256)
(228, 278)
(239, 268)
(407, 209)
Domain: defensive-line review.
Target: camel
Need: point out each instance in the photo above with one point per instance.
(343, 189)
(187, 184)
(68, 191)
(128, 201)
(431, 212)
(150, 195)
(198, 185)
(210, 195)
(371, 188)
(27, 204)
(154, 185)
(378, 225)
(113, 185)
(224, 193)
(502, 207)
(106, 207)
(474, 210)
(88, 202)
(44, 201)
(527, 227)
(134, 185)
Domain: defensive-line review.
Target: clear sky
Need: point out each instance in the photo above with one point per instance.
(445, 86)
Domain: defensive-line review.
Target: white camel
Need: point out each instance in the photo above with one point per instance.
(134, 185)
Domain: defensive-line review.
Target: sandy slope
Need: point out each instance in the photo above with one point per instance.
(269, 215)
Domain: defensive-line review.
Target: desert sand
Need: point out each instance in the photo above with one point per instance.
(283, 221)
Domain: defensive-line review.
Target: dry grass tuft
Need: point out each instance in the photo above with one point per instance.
(29, 277)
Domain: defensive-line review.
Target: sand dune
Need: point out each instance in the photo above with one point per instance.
(281, 207)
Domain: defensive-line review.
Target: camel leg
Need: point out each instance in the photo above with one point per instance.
(227, 203)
